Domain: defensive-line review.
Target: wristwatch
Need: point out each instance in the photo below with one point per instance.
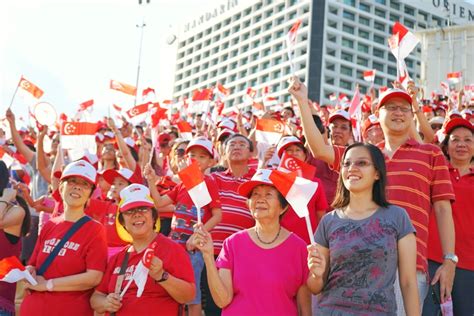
(50, 285)
(164, 277)
(452, 257)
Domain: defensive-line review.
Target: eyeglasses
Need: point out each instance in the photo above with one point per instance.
(361, 163)
(133, 211)
(393, 108)
(237, 145)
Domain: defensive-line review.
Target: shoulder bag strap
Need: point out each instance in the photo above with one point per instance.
(121, 276)
(74, 228)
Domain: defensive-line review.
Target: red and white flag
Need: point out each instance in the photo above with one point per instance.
(201, 101)
(269, 101)
(117, 108)
(220, 91)
(288, 163)
(148, 95)
(87, 105)
(455, 77)
(249, 96)
(139, 113)
(185, 130)
(369, 75)
(265, 90)
(291, 42)
(12, 271)
(355, 113)
(123, 87)
(445, 87)
(269, 131)
(406, 43)
(355, 103)
(79, 135)
(140, 274)
(28, 86)
(298, 192)
(6, 158)
(193, 181)
(333, 97)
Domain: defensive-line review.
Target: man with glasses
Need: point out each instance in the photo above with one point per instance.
(417, 174)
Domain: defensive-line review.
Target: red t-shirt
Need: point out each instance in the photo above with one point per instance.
(154, 299)
(463, 216)
(235, 213)
(185, 213)
(297, 225)
(85, 250)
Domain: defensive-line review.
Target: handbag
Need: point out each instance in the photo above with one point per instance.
(74, 228)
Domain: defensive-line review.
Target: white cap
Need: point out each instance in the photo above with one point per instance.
(454, 113)
(225, 132)
(110, 174)
(339, 114)
(285, 142)
(81, 169)
(262, 176)
(227, 123)
(202, 142)
(135, 195)
(436, 120)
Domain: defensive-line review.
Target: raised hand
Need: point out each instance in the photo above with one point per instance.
(316, 262)
(202, 240)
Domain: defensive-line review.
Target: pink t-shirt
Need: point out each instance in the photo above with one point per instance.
(265, 281)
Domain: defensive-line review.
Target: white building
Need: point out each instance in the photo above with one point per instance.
(242, 44)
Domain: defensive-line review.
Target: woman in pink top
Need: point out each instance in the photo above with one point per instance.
(261, 270)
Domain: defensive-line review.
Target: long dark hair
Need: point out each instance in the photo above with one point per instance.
(4, 179)
(342, 197)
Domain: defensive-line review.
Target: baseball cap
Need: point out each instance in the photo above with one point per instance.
(135, 195)
(368, 123)
(224, 132)
(227, 123)
(393, 93)
(262, 176)
(454, 113)
(439, 120)
(457, 122)
(285, 142)
(339, 114)
(81, 169)
(164, 139)
(127, 174)
(202, 142)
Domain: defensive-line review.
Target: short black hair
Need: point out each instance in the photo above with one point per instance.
(319, 123)
(239, 135)
(289, 108)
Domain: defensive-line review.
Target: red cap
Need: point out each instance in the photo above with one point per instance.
(124, 173)
(393, 93)
(164, 139)
(457, 122)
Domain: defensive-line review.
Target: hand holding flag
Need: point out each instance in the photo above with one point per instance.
(193, 181)
(12, 271)
(298, 192)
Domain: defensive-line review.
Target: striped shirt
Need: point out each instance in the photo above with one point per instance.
(417, 176)
(235, 213)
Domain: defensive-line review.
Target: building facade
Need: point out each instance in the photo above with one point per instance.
(241, 44)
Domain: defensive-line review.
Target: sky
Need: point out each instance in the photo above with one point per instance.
(71, 49)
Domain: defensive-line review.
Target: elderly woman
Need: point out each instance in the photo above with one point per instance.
(169, 282)
(458, 147)
(261, 270)
(361, 244)
(66, 278)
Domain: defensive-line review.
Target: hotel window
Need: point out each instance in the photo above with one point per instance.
(362, 62)
(392, 71)
(394, 5)
(379, 53)
(364, 21)
(346, 56)
(364, 34)
(409, 23)
(380, 13)
(364, 7)
(350, 2)
(347, 43)
(379, 26)
(345, 84)
(379, 81)
(394, 18)
(331, 66)
(348, 29)
(266, 65)
(348, 15)
(346, 71)
(331, 52)
(363, 48)
(378, 66)
(409, 10)
(379, 39)
(380, 2)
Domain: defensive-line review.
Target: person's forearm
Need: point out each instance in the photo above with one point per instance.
(312, 135)
(126, 154)
(213, 221)
(158, 200)
(77, 282)
(303, 299)
(180, 290)
(219, 292)
(20, 145)
(315, 284)
(410, 298)
(42, 164)
(425, 127)
(444, 219)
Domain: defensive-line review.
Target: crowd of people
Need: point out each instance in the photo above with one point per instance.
(391, 217)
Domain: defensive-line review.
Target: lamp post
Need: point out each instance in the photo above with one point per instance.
(142, 27)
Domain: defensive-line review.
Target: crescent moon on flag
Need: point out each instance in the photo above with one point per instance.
(147, 256)
(133, 112)
(291, 164)
(278, 128)
(25, 84)
(69, 129)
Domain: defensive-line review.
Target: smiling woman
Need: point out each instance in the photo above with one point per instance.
(169, 281)
(276, 256)
(66, 264)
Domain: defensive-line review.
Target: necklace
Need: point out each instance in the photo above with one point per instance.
(267, 242)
